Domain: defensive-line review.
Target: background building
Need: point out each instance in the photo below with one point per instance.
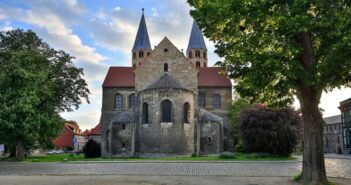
(332, 135)
(345, 108)
(71, 137)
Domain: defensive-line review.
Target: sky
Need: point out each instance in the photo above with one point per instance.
(100, 34)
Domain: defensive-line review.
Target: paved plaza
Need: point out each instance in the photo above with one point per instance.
(164, 173)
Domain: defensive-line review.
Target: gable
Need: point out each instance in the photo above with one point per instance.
(179, 67)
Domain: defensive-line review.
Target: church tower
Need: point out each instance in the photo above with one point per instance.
(141, 47)
(197, 51)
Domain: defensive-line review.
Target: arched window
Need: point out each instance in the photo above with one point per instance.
(186, 112)
(132, 100)
(197, 53)
(165, 67)
(205, 56)
(205, 64)
(166, 107)
(197, 64)
(141, 54)
(145, 118)
(201, 100)
(119, 101)
(216, 101)
(190, 54)
(134, 55)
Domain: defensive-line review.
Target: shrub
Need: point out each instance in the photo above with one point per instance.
(227, 155)
(194, 155)
(270, 131)
(92, 149)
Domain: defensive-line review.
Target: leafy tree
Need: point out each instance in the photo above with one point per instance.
(239, 104)
(265, 130)
(277, 49)
(36, 83)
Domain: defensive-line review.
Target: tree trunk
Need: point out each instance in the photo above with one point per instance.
(20, 151)
(313, 167)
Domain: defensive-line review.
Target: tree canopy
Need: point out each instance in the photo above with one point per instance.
(262, 49)
(277, 49)
(36, 83)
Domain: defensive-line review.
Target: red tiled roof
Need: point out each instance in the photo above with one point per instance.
(86, 132)
(124, 77)
(119, 77)
(211, 77)
(96, 130)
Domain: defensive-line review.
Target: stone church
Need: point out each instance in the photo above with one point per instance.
(166, 102)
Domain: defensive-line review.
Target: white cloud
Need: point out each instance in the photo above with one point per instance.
(117, 8)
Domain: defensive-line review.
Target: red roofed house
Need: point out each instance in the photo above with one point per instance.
(95, 133)
(71, 136)
(167, 102)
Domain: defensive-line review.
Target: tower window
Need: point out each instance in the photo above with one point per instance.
(145, 118)
(134, 55)
(124, 145)
(165, 50)
(165, 67)
(216, 101)
(123, 126)
(205, 56)
(198, 64)
(118, 101)
(148, 53)
(141, 54)
(186, 113)
(190, 54)
(166, 107)
(201, 100)
(197, 53)
(132, 100)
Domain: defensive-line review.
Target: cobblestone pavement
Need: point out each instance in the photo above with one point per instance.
(335, 168)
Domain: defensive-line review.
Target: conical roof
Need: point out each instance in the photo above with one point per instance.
(196, 40)
(142, 38)
(166, 81)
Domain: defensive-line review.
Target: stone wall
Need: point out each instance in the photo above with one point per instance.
(175, 137)
(108, 98)
(121, 139)
(333, 138)
(211, 141)
(152, 68)
(223, 112)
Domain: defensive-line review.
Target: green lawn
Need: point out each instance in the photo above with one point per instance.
(80, 157)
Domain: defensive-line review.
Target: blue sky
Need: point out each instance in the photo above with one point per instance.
(101, 34)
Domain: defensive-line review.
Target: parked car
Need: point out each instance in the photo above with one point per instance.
(51, 152)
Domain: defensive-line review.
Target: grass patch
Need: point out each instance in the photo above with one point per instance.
(225, 156)
(296, 177)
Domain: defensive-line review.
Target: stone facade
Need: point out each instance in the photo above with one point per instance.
(345, 108)
(154, 110)
(332, 135)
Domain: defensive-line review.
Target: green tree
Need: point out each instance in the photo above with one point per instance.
(36, 83)
(277, 49)
(239, 104)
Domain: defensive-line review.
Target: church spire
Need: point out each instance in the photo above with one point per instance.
(142, 38)
(197, 51)
(142, 46)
